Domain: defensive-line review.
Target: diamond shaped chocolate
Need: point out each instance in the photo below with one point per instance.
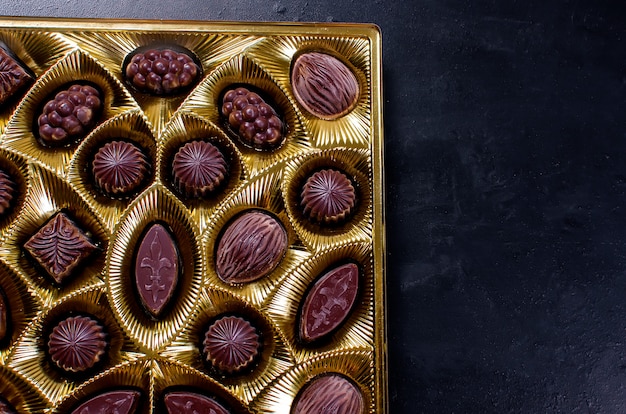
(13, 74)
(60, 246)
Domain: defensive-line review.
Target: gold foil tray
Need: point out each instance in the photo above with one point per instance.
(158, 355)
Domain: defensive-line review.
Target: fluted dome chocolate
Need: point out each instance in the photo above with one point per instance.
(324, 85)
(199, 168)
(7, 191)
(77, 343)
(231, 344)
(70, 115)
(251, 247)
(119, 167)
(255, 121)
(328, 196)
(162, 72)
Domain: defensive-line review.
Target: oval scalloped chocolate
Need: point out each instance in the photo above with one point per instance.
(191, 403)
(119, 402)
(156, 268)
(329, 394)
(329, 302)
(251, 247)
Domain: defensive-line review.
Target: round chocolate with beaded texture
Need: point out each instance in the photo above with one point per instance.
(162, 71)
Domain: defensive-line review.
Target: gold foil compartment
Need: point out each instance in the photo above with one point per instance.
(156, 205)
(277, 54)
(284, 304)
(46, 196)
(77, 67)
(260, 193)
(206, 101)
(31, 359)
(273, 359)
(128, 375)
(358, 225)
(130, 127)
(22, 396)
(355, 365)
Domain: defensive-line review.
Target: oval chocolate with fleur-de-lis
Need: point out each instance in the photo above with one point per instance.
(329, 302)
(113, 402)
(156, 268)
(183, 402)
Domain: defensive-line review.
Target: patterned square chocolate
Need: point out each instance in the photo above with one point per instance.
(60, 246)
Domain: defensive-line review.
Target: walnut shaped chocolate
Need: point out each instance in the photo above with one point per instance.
(60, 246)
(331, 393)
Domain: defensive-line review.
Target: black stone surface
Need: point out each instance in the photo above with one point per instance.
(506, 185)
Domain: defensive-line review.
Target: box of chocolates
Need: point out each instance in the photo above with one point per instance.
(191, 218)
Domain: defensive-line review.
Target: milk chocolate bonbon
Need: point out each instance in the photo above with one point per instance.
(328, 303)
(183, 402)
(114, 402)
(330, 393)
(60, 246)
(324, 85)
(251, 247)
(70, 115)
(77, 343)
(119, 167)
(7, 192)
(156, 268)
(231, 344)
(162, 72)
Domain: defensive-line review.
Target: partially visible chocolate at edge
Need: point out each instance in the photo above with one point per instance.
(118, 402)
(14, 74)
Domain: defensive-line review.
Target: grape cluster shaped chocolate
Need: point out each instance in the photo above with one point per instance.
(252, 119)
(70, 115)
(162, 72)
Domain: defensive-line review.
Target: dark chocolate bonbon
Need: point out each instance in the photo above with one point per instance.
(328, 196)
(162, 72)
(330, 393)
(231, 344)
(77, 343)
(199, 168)
(119, 167)
(112, 402)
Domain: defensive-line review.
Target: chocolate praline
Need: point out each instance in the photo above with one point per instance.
(14, 74)
(7, 192)
(330, 393)
(114, 402)
(324, 85)
(199, 168)
(231, 344)
(4, 316)
(328, 196)
(77, 343)
(119, 167)
(184, 402)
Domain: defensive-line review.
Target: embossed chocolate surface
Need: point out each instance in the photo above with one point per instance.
(328, 303)
(329, 394)
(60, 246)
(324, 85)
(162, 72)
(13, 75)
(156, 268)
(70, 115)
(7, 192)
(256, 122)
(251, 247)
(77, 343)
(119, 167)
(198, 168)
(192, 403)
(328, 196)
(4, 316)
(113, 402)
(231, 344)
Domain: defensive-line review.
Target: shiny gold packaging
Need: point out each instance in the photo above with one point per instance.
(156, 356)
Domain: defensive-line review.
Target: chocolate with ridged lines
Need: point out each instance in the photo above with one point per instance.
(199, 168)
(7, 192)
(251, 247)
(331, 393)
(77, 343)
(231, 344)
(14, 74)
(119, 167)
(328, 196)
(324, 85)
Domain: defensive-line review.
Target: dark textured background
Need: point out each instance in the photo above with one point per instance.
(506, 184)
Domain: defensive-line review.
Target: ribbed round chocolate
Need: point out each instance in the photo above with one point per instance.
(119, 167)
(199, 168)
(183, 402)
(328, 196)
(114, 402)
(324, 85)
(251, 247)
(77, 343)
(70, 115)
(14, 74)
(256, 122)
(329, 302)
(7, 191)
(330, 393)
(162, 72)
(231, 344)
